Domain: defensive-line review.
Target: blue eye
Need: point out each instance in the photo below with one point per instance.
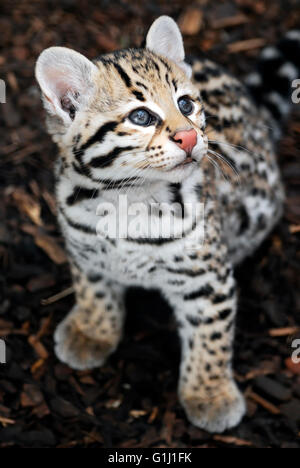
(142, 117)
(185, 105)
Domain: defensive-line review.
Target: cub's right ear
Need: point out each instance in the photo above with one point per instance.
(66, 81)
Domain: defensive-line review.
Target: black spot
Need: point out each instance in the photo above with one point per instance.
(178, 259)
(224, 314)
(100, 295)
(208, 321)
(201, 77)
(214, 377)
(94, 278)
(207, 257)
(245, 220)
(216, 336)
(219, 298)
(204, 291)
(138, 95)
(191, 343)
(194, 321)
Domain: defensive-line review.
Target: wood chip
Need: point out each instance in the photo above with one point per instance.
(51, 248)
(38, 347)
(153, 415)
(277, 332)
(6, 421)
(31, 396)
(137, 413)
(58, 297)
(294, 229)
(236, 20)
(27, 204)
(232, 441)
(243, 46)
(190, 22)
(264, 403)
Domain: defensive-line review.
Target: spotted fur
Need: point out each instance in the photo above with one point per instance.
(104, 155)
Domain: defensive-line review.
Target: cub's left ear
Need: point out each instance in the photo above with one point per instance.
(164, 38)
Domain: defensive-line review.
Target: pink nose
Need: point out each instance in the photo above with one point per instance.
(186, 139)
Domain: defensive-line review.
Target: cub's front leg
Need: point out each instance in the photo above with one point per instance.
(93, 329)
(205, 313)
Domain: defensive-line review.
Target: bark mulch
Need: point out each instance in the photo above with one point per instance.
(131, 401)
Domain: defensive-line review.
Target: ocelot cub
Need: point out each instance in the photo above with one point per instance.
(190, 151)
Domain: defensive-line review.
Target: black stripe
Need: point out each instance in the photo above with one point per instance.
(138, 83)
(190, 273)
(80, 227)
(81, 169)
(123, 75)
(107, 160)
(162, 240)
(81, 193)
(138, 95)
(205, 291)
(165, 64)
(110, 184)
(98, 137)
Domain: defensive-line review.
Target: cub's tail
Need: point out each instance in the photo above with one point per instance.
(274, 84)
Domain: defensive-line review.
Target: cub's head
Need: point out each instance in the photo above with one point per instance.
(132, 113)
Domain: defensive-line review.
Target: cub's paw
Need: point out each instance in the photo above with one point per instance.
(224, 411)
(74, 347)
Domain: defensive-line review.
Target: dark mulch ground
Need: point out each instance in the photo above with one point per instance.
(131, 402)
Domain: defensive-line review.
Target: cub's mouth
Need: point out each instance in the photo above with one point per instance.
(188, 160)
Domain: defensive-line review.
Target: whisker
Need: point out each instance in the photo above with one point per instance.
(216, 166)
(224, 160)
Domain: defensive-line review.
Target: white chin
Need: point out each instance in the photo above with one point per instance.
(180, 173)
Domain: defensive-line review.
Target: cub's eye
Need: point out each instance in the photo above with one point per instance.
(141, 117)
(185, 105)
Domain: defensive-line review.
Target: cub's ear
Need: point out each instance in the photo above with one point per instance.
(66, 81)
(164, 38)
